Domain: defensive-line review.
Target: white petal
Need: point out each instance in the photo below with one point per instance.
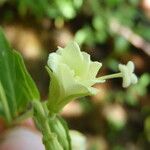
(70, 84)
(125, 73)
(53, 60)
(130, 66)
(134, 79)
(72, 57)
(121, 67)
(93, 70)
(72, 51)
(66, 76)
(85, 64)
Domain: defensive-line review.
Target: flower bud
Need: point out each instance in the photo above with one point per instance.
(59, 127)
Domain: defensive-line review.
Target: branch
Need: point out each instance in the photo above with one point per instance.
(130, 36)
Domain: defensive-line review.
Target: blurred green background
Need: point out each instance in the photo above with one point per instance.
(111, 31)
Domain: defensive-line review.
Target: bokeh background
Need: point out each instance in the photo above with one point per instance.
(111, 31)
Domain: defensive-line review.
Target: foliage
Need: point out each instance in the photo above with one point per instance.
(90, 21)
(17, 86)
(51, 8)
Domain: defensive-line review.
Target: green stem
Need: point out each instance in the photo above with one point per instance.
(5, 105)
(41, 119)
(116, 75)
(23, 117)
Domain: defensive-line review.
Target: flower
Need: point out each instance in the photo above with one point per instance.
(72, 75)
(127, 72)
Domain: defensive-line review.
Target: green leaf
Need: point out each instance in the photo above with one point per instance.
(17, 83)
(1, 110)
(4, 105)
(147, 128)
(113, 3)
(121, 45)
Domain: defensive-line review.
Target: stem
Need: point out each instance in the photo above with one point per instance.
(116, 75)
(23, 117)
(41, 119)
(5, 104)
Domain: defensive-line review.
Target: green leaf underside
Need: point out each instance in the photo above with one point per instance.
(16, 81)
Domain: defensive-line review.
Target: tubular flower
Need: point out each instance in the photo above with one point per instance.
(128, 74)
(72, 75)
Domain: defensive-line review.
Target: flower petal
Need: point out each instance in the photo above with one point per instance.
(93, 70)
(130, 66)
(85, 64)
(56, 90)
(134, 79)
(76, 91)
(125, 73)
(53, 60)
(72, 56)
(70, 84)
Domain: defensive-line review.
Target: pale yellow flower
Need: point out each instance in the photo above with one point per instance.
(72, 75)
